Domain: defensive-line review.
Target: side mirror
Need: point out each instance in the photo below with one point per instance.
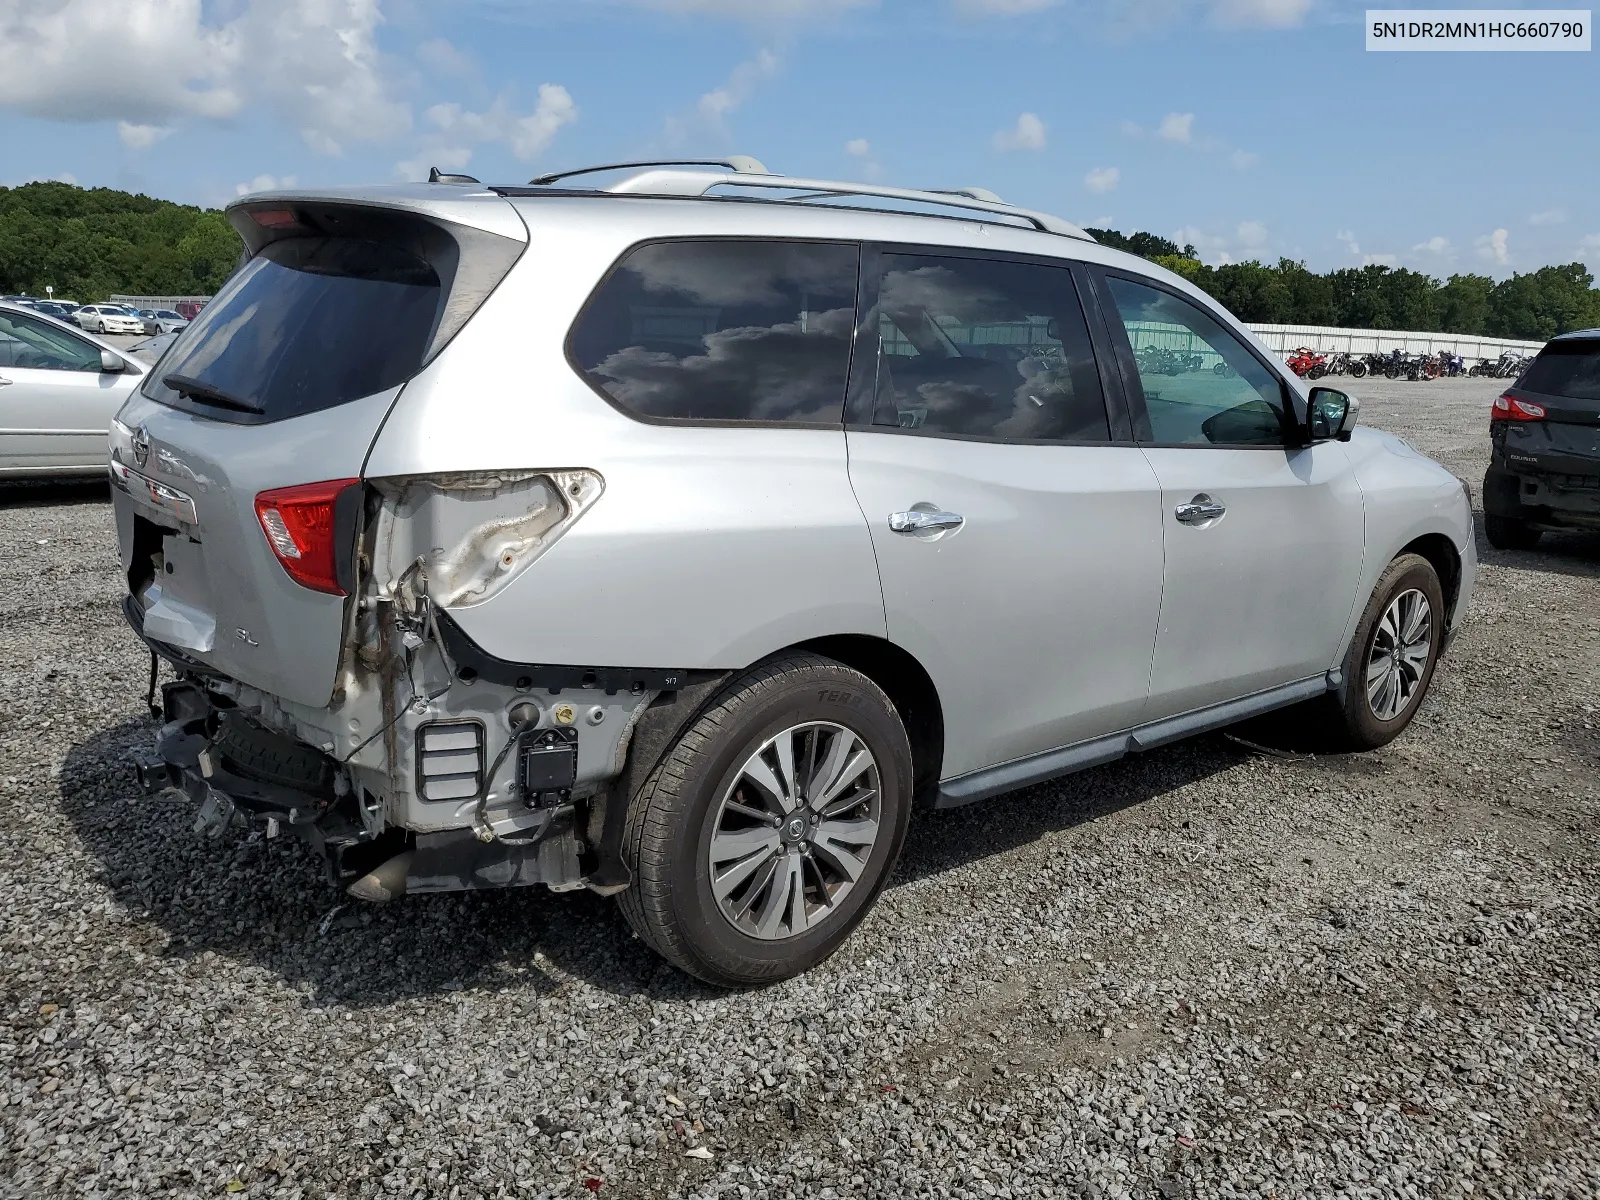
(111, 364)
(1331, 414)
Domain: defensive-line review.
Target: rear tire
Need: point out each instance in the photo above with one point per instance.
(706, 797)
(1385, 678)
(1508, 533)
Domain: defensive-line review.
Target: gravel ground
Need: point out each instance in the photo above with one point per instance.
(1206, 971)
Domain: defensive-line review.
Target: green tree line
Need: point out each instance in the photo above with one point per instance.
(87, 243)
(1538, 304)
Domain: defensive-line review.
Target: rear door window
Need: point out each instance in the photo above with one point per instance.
(981, 348)
(1569, 370)
(723, 330)
(307, 324)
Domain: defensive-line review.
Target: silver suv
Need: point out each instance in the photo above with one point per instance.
(676, 539)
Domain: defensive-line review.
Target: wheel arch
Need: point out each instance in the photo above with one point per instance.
(1445, 559)
(910, 689)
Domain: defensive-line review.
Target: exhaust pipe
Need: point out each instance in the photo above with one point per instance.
(384, 882)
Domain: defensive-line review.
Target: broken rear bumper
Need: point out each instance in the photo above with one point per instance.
(1545, 499)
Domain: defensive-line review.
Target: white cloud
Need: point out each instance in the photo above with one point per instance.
(1176, 127)
(1027, 134)
(456, 130)
(1211, 248)
(141, 137)
(1132, 129)
(1002, 8)
(143, 61)
(264, 183)
(66, 177)
(716, 104)
(1269, 14)
(1437, 246)
(1102, 179)
(755, 9)
(1366, 260)
(1251, 234)
(446, 158)
(1551, 216)
(1243, 159)
(861, 150)
(1590, 241)
(151, 63)
(443, 58)
(1493, 247)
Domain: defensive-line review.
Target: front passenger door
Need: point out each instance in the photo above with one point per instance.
(1263, 534)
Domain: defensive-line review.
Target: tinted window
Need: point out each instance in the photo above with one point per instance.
(1568, 370)
(724, 331)
(26, 342)
(306, 324)
(979, 348)
(1201, 385)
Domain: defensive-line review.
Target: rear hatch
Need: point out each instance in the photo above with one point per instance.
(282, 382)
(1563, 382)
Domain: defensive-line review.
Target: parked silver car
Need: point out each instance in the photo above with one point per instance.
(676, 539)
(161, 320)
(59, 389)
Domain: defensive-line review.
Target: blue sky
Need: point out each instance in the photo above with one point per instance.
(1251, 128)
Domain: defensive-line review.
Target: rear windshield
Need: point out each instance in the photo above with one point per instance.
(1568, 370)
(307, 324)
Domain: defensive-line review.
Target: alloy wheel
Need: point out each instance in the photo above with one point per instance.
(795, 830)
(1398, 659)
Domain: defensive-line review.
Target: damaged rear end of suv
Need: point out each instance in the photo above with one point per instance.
(302, 603)
(1544, 467)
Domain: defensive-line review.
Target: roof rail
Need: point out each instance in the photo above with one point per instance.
(738, 163)
(659, 179)
(698, 183)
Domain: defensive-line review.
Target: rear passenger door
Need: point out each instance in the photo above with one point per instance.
(1017, 528)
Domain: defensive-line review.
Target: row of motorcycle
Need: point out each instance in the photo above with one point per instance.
(1402, 364)
(1158, 360)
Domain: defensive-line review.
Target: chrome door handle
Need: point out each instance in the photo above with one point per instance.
(4, 382)
(1199, 510)
(920, 520)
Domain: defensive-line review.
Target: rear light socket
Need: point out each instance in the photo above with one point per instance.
(311, 530)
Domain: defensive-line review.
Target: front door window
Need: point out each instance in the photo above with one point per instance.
(1202, 386)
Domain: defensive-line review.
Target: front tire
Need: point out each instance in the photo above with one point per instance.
(1508, 533)
(770, 828)
(1391, 660)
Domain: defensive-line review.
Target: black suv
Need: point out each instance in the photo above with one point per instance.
(1544, 469)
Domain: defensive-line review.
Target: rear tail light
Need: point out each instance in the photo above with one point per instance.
(303, 529)
(1508, 408)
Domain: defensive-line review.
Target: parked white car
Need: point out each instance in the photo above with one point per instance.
(676, 543)
(58, 392)
(108, 318)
